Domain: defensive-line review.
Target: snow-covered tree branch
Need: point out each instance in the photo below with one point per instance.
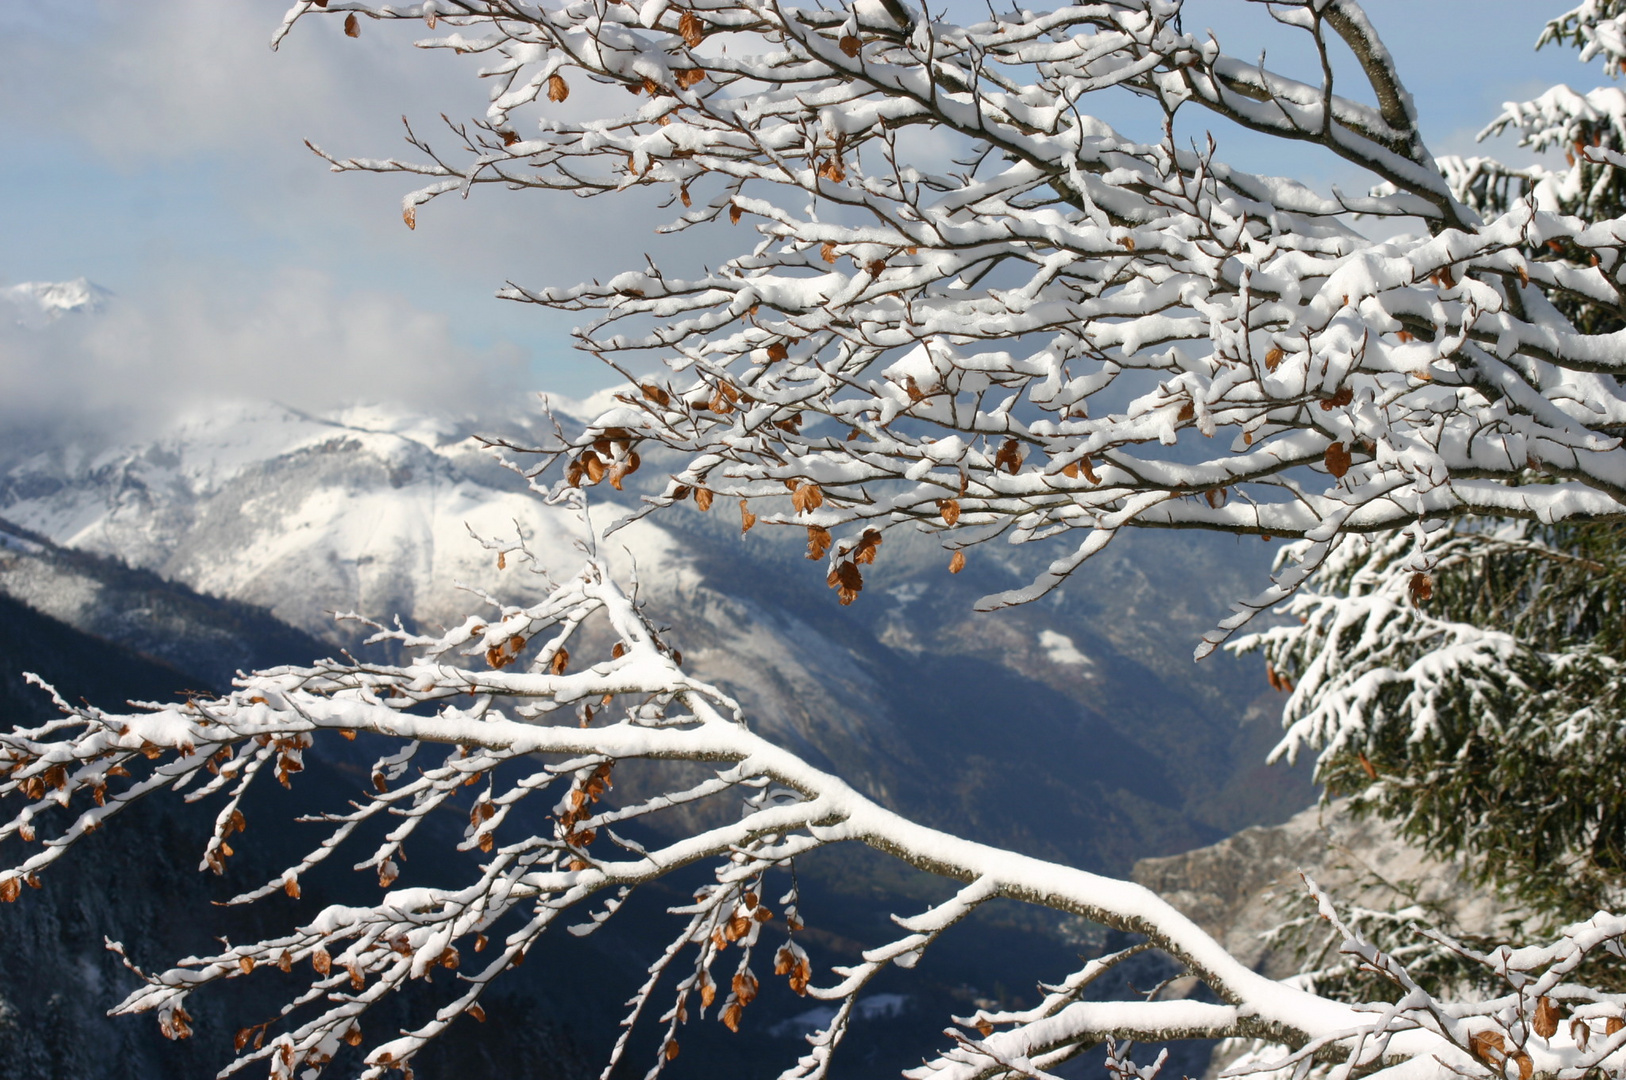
(1049, 329)
(1466, 682)
(1067, 330)
(530, 727)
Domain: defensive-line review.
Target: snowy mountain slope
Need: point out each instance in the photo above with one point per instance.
(1077, 727)
(203, 638)
(302, 516)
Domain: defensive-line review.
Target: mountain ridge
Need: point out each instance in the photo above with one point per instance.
(1076, 728)
(371, 509)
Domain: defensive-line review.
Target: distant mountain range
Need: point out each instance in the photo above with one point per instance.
(1087, 702)
(1076, 728)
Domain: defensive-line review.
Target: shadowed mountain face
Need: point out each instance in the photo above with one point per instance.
(208, 638)
(138, 882)
(1076, 728)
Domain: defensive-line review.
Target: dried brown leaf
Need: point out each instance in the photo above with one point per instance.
(1337, 459)
(1546, 1018)
(846, 579)
(1342, 397)
(864, 553)
(1488, 1046)
(807, 498)
(689, 26)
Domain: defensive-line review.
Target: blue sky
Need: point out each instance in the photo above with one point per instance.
(156, 148)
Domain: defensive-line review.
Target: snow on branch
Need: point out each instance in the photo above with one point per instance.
(1053, 328)
(1545, 1022)
(525, 727)
(1469, 689)
(1597, 26)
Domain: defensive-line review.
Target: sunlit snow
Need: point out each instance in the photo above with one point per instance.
(1059, 648)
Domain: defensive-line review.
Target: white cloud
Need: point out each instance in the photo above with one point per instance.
(182, 136)
(194, 77)
(170, 140)
(300, 340)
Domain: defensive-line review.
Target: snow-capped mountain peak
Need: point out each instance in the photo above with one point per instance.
(47, 301)
(37, 303)
(307, 515)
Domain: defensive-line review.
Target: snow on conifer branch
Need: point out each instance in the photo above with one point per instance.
(1597, 26)
(1472, 693)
